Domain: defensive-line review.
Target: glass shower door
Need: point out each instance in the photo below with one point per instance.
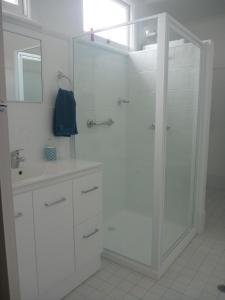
(119, 83)
(181, 139)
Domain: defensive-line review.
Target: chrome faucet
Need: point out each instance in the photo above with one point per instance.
(16, 158)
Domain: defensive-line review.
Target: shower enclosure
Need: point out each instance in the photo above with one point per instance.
(143, 102)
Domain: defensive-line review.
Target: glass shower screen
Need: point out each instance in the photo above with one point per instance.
(181, 138)
(115, 89)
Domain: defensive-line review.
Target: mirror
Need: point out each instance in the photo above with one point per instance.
(23, 68)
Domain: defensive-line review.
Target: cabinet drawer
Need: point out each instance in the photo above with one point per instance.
(88, 197)
(88, 239)
(53, 218)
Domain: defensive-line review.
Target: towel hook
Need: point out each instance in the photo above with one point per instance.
(61, 75)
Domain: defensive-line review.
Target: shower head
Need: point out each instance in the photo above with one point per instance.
(150, 34)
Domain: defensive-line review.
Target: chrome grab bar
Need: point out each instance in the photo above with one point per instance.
(91, 234)
(124, 101)
(153, 127)
(92, 123)
(48, 204)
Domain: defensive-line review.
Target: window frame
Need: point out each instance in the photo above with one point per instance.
(21, 9)
(124, 3)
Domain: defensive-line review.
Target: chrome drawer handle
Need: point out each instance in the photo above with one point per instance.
(91, 234)
(49, 204)
(90, 190)
(19, 215)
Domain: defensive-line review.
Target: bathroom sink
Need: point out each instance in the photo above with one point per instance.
(26, 172)
(34, 173)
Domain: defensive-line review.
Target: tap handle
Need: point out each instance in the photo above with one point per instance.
(16, 152)
(19, 150)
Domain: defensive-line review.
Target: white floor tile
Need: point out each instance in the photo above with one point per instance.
(194, 275)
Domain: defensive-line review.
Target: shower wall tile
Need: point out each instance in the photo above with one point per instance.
(101, 81)
(181, 140)
(127, 147)
(142, 61)
(140, 136)
(182, 87)
(186, 55)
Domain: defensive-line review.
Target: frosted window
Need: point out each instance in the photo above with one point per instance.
(98, 14)
(18, 7)
(12, 1)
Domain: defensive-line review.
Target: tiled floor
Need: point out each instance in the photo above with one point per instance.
(195, 274)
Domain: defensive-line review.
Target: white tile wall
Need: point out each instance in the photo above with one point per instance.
(139, 135)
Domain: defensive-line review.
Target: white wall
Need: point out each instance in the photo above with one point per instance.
(30, 124)
(59, 16)
(213, 28)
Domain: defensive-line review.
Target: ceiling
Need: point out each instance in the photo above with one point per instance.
(188, 9)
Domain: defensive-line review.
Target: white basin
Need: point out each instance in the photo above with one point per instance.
(26, 172)
(33, 173)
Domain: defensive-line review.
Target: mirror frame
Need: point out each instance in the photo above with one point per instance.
(42, 81)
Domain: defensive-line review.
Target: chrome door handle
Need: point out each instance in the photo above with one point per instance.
(18, 215)
(91, 234)
(49, 204)
(90, 190)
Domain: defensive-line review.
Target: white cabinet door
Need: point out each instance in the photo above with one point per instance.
(53, 219)
(24, 224)
(87, 197)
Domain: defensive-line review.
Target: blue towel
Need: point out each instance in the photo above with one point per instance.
(64, 121)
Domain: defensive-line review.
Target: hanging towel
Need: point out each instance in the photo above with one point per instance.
(64, 120)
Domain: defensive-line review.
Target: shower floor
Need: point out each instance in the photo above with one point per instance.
(130, 234)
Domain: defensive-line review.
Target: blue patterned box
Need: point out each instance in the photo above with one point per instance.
(50, 153)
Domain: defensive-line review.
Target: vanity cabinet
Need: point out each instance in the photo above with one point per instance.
(23, 211)
(59, 234)
(88, 217)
